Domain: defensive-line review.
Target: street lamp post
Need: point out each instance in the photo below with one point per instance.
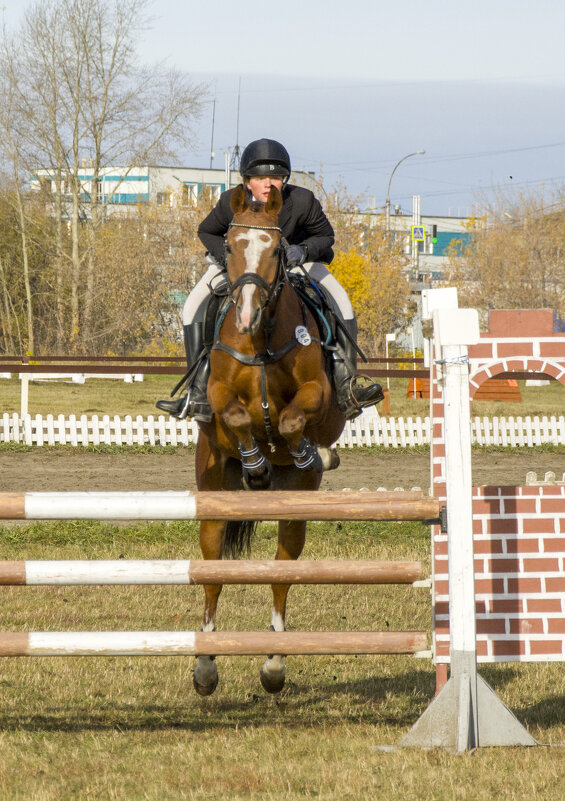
(396, 166)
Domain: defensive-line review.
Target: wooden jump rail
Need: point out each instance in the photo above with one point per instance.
(196, 643)
(120, 571)
(279, 505)
(212, 506)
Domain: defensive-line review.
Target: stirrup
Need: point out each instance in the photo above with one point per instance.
(186, 407)
(354, 398)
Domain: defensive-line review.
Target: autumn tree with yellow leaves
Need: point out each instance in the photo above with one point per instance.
(370, 264)
(378, 287)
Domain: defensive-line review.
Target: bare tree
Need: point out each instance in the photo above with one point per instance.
(12, 147)
(81, 97)
(515, 257)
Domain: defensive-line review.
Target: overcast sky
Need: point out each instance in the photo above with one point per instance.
(352, 87)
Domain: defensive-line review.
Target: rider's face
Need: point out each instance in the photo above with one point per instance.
(260, 185)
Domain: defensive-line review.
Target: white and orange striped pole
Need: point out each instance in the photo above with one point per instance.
(276, 505)
(196, 643)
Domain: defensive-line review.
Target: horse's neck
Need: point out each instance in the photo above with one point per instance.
(279, 323)
(283, 316)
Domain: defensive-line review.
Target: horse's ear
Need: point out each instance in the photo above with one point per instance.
(274, 202)
(238, 201)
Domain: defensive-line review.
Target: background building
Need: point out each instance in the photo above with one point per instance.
(121, 188)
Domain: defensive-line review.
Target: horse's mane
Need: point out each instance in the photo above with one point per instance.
(256, 206)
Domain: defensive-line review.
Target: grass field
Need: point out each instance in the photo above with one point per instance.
(133, 728)
(101, 396)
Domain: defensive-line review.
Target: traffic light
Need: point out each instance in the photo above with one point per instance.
(434, 234)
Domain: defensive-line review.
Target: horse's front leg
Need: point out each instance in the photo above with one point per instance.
(292, 534)
(205, 677)
(303, 409)
(235, 416)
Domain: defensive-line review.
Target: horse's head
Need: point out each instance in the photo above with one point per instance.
(253, 246)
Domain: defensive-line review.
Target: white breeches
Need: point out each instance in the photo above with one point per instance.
(195, 304)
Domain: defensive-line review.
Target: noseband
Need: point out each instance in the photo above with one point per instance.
(268, 290)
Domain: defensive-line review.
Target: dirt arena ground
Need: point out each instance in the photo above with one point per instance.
(75, 469)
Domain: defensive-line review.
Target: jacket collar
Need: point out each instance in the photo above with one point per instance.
(286, 211)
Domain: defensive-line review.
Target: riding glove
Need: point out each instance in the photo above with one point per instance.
(296, 255)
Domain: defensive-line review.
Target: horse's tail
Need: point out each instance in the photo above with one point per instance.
(237, 540)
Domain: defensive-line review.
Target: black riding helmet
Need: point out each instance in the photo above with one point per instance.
(265, 157)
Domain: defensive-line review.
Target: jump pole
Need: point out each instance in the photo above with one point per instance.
(273, 505)
(138, 571)
(189, 643)
(466, 713)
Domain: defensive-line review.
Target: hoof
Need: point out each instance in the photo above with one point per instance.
(258, 481)
(205, 678)
(272, 680)
(330, 458)
(204, 689)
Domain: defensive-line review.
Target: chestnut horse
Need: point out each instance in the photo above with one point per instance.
(275, 412)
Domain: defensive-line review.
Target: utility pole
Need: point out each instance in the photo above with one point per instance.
(212, 154)
(416, 220)
(236, 151)
(227, 170)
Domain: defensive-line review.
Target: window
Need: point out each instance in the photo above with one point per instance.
(189, 194)
(213, 191)
(163, 198)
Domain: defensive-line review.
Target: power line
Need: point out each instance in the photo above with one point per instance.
(358, 165)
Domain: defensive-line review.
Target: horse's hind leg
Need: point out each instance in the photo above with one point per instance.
(292, 534)
(205, 678)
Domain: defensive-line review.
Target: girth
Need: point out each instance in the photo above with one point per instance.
(260, 360)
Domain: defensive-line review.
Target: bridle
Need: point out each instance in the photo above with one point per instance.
(268, 291)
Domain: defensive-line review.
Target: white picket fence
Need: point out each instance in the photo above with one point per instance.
(518, 432)
(368, 429)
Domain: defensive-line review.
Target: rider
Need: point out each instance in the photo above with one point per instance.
(266, 163)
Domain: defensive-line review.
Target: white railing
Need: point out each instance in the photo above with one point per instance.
(106, 430)
(389, 432)
(518, 432)
(367, 430)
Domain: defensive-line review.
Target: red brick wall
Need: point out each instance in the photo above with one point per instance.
(519, 536)
(519, 532)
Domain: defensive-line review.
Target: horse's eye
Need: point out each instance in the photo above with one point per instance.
(276, 251)
(228, 248)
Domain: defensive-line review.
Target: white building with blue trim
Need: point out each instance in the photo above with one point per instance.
(120, 189)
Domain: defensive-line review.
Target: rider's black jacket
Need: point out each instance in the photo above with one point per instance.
(301, 219)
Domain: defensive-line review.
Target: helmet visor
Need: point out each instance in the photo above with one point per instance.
(272, 169)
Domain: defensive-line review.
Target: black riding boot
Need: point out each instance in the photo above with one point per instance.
(352, 397)
(194, 403)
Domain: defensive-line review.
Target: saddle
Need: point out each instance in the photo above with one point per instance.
(316, 298)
